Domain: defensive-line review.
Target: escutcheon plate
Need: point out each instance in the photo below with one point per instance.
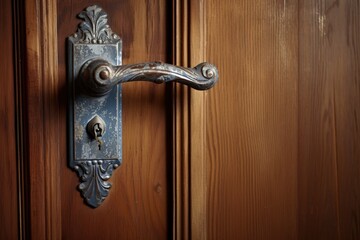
(93, 40)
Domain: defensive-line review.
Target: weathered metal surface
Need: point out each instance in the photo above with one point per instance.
(94, 165)
(98, 76)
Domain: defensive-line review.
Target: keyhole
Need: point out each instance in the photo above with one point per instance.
(96, 129)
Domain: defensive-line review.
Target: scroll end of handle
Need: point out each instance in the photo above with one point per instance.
(210, 76)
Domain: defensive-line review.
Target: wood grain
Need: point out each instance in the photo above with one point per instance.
(347, 113)
(251, 117)
(282, 124)
(8, 159)
(329, 106)
(42, 121)
(139, 203)
(197, 107)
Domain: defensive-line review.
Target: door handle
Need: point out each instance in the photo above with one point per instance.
(98, 77)
(94, 73)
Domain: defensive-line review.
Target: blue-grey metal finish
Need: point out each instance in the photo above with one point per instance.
(94, 39)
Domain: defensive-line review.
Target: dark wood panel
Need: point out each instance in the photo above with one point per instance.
(318, 206)
(251, 120)
(139, 200)
(344, 22)
(346, 60)
(329, 146)
(43, 127)
(8, 159)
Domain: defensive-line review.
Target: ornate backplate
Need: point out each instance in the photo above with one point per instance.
(94, 164)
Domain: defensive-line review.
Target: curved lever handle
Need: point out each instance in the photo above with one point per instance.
(98, 77)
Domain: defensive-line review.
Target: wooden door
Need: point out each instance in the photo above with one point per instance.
(271, 152)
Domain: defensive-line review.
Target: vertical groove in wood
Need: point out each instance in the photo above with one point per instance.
(33, 116)
(251, 118)
(8, 160)
(181, 213)
(42, 97)
(189, 171)
(20, 106)
(329, 155)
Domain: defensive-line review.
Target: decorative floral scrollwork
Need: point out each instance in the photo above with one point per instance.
(93, 176)
(94, 28)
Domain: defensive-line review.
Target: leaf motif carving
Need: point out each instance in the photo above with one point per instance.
(94, 28)
(93, 176)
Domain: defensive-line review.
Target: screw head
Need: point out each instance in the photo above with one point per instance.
(209, 73)
(104, 74)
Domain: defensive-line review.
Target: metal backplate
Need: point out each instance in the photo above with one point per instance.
(94, 39)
